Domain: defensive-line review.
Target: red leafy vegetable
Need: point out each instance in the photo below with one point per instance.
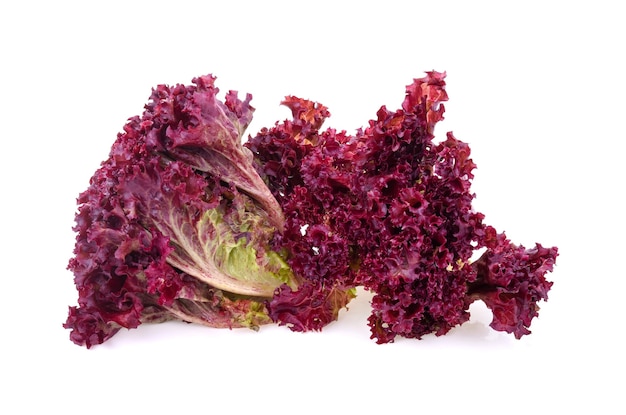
(184, 222)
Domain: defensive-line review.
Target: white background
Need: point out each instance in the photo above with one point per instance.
(537, 89)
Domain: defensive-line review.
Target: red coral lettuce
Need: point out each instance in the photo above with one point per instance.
(184, 222)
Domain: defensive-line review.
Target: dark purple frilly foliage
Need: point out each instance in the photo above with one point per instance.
(388, 208)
